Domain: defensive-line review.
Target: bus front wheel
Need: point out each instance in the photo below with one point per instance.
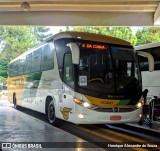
(51, 114)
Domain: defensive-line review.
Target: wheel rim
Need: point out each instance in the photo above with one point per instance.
(51, 113)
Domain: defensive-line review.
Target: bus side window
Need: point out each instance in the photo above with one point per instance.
(11, 70)
(21, 66)
(28, 63)
(47, 58)
(16, 68)
(68, 70)
(36, 60)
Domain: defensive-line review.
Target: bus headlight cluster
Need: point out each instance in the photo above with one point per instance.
(140, 104)
(83, 103)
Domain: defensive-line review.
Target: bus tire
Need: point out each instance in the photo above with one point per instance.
(14, 101)
(140, 122)
(51, 115)
(150, 125)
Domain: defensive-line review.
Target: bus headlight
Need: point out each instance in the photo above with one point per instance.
(83, 103)
(140, 104)
(86, 104)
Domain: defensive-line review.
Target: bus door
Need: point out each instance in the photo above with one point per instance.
(67, 104)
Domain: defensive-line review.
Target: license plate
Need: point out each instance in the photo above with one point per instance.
(115, 118)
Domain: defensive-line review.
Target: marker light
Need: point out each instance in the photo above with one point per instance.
(142, 102)
(78, 101)
(81, 116)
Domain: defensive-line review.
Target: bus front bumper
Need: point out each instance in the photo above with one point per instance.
(88, 116)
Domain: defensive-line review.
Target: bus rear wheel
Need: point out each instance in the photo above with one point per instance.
(14, 101)
(51, 114)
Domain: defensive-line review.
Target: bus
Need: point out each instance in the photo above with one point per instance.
(150, 81)
(79, 77)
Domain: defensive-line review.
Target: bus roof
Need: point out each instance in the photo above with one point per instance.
(92, 37)
(147, 46)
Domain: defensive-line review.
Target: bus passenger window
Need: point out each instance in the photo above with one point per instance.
(21, 66)
(36, 60)
(28, 63)
(11, 67)
(16, 68)
(47, 58)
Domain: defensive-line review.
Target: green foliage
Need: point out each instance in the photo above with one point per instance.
(3, 68)
(42, 33)
(3, 80)
(148, 35)
(15, 40)
(124, 33)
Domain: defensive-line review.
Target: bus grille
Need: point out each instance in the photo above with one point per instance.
(99, 109)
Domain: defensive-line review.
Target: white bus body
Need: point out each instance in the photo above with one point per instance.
(61, 78)
(150, 80)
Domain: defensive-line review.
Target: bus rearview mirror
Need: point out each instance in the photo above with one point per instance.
(75, 52)
(149, 57)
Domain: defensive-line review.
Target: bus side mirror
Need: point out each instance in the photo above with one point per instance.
(149, 57)
(75, 52)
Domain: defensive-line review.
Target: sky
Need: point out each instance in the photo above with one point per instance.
(56, 29)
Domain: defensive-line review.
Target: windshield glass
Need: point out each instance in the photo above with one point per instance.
(105, 70)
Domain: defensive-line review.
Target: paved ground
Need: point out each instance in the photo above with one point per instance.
(16, 127)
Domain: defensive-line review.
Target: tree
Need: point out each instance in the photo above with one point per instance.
(42, 33)
(124, 33)
(3, 81)
(16, 40)
(148, 35)
(3, 68)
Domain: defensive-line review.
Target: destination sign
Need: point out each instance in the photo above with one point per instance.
(94, 46)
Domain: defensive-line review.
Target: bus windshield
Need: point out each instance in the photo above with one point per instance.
(104, 71)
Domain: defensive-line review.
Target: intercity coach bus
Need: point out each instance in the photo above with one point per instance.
(79, 77)
(150, 81)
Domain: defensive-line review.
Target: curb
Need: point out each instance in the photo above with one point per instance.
(143, 129)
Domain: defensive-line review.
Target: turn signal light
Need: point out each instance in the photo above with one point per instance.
(78, 101)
